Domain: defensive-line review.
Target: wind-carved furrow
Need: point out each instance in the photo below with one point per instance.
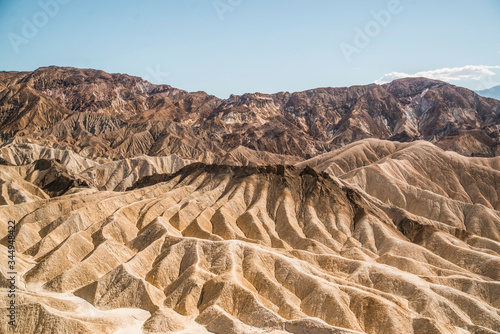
(155, 209)
(181, 287)
(105, 257)
(120, 226)
(180, 200)
(204, 207)
(286, 224)
(261, 212)
(232, 293)
(326, 291)
(69, 253)
(256, 272)
(81, 220)
(229, 209)
(314, 228)
(190, 277)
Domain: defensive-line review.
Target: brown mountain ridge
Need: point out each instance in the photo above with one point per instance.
(117, 116)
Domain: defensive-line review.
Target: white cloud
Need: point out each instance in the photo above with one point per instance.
(468, 72)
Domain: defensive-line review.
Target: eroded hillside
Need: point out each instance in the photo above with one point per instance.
(143, 208)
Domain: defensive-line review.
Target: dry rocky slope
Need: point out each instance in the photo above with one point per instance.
(146, 209)
(117, 116)
(276, 249)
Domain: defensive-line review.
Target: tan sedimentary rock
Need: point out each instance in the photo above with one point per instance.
(275, 249)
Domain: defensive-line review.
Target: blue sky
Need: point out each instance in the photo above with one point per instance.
(238, 46)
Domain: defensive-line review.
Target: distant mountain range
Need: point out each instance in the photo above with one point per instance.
(493, 92)
(116, 116)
